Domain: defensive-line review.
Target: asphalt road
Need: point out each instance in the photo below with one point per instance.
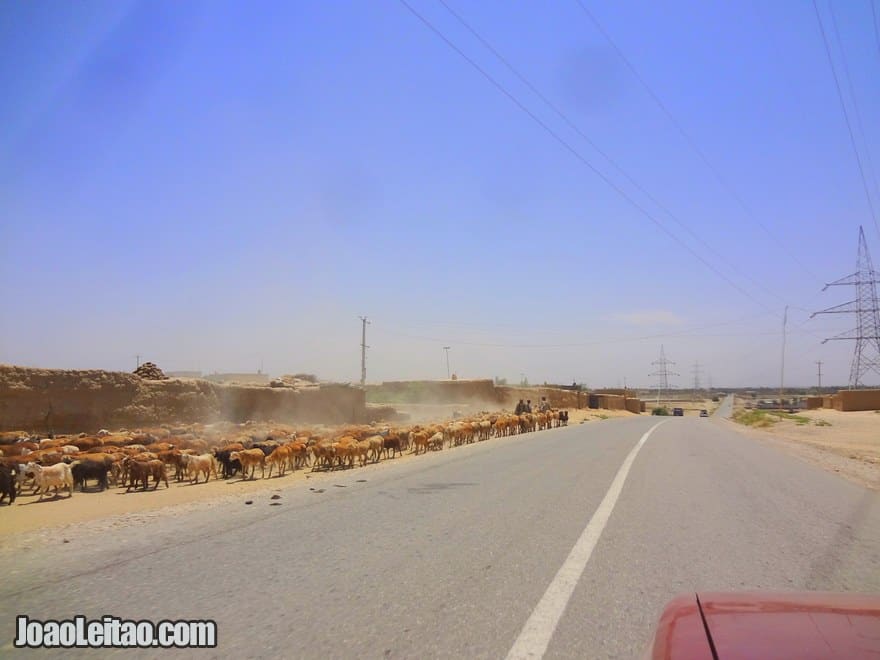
(725, 408)
(449, 555)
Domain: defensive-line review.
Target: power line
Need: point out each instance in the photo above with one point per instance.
(690, 332)
(770, 333)
(876, 24)
(849, 127)
(571, 124)
(691, 141)
(418, 324)
(852, 92)
(744, 357)
(579, 156)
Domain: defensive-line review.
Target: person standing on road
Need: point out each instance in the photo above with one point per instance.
(528, 407)
(545, 405)
(520, 408)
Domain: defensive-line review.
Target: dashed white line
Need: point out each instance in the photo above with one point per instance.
(538, 631)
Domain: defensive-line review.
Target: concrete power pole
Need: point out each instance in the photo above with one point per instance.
(364, 348)
(446, 348)
(819, 363)
(782, 366)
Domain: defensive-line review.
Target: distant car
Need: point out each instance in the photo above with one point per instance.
(768, 625)
(678, 412)
(704, 413)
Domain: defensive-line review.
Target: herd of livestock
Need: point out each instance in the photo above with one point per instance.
(133, 459)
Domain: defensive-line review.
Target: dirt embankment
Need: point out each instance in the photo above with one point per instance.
(435, 392)
(557, 398)
(485, 395)
(62, 401)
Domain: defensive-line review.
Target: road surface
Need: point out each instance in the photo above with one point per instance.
(449, 555)
(725, 408)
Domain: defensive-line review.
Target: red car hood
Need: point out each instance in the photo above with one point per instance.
(753, 625)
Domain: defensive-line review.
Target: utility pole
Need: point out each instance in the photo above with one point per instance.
(138, 358)
(662, 373)
(364, 348)
(782, 366)
(446, 348)
(696, 371)
(819, 362)
(866, 334)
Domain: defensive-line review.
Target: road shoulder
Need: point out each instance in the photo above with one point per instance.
(856, 470)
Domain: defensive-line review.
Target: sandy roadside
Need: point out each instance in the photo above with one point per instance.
(29, 514)
(848, 445)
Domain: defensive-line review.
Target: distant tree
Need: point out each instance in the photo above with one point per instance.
(500, 382)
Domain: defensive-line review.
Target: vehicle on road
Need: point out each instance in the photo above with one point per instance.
(678, 412)
(768, 625)
(704, 413)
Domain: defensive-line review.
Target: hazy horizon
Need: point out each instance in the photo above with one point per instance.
(216, 187)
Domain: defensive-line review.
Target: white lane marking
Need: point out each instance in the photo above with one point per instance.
(538, 631)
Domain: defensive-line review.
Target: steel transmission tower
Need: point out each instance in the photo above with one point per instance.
(866, 357)
(662, 374)
(696, 370)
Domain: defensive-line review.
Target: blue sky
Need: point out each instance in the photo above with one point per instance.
(212, 185)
